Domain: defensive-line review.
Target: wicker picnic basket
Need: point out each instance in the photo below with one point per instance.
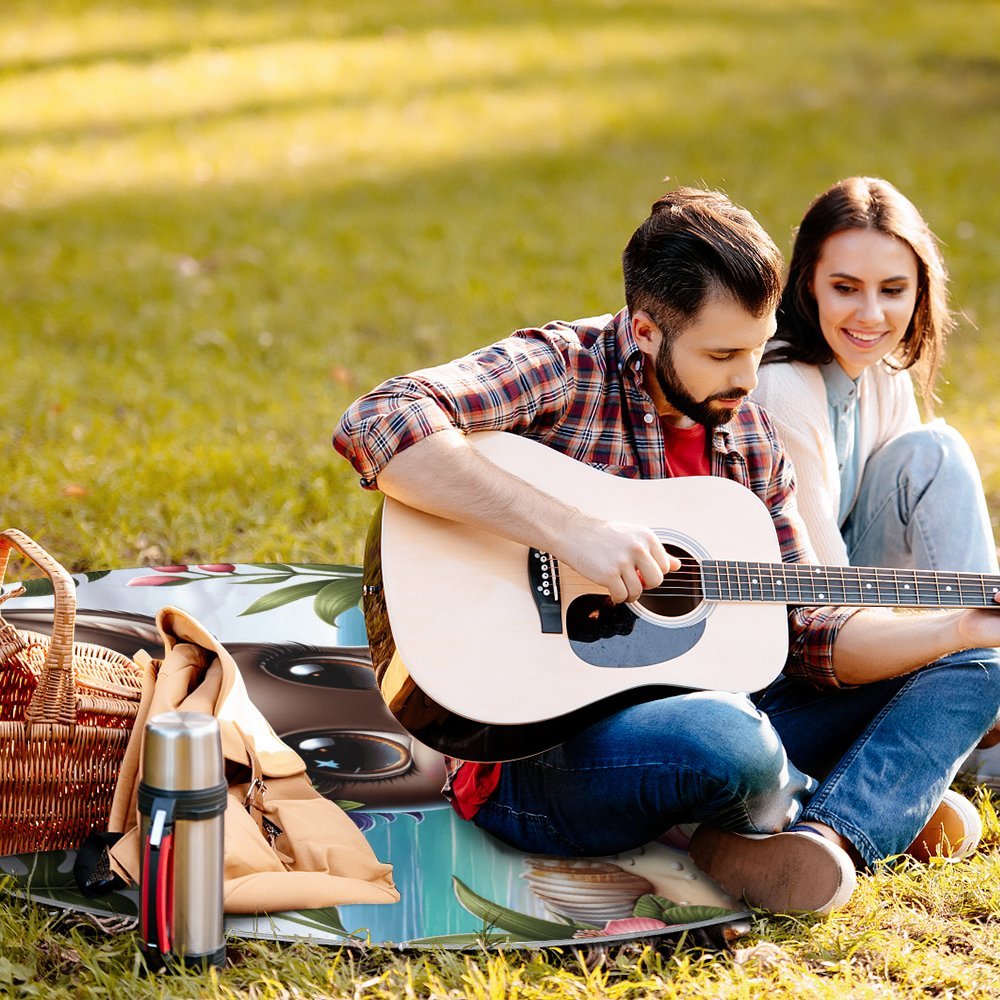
(66, 711)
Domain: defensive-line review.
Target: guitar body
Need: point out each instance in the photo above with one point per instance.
(475, 661)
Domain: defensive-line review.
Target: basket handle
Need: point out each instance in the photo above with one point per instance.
(54, 700)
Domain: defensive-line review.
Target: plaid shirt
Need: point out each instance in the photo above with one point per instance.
(577, 387)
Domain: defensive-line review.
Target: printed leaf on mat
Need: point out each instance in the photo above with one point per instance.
(525, 927)
(279, 598)
(337, 597)
(259, 581)
(325, 918)
(36, 587)
(329, 568)
(461, 940)
(47, 868)
(661, 908)
(48, 878)
(693, 914)
(651, 906)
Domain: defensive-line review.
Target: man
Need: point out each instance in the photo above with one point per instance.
(853, 748)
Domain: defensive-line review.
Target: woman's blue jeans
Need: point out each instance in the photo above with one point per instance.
(921, 506)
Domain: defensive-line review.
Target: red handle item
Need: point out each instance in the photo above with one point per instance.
(165, 894)
(156, 892)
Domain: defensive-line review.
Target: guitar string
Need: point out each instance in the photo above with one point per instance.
(809, 571)
(688, 581)
(833, 599)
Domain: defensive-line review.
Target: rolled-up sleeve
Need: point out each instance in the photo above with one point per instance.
(515, 384)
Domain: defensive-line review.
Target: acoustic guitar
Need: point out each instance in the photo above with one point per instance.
(485, 649)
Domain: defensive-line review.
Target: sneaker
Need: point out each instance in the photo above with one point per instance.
(953, 832)
(789, 872)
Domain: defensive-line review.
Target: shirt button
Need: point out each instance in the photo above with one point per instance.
(648, 418)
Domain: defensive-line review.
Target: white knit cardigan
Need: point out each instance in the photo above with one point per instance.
(794, 395)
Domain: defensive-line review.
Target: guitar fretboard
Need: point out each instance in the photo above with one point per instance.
(800, 583)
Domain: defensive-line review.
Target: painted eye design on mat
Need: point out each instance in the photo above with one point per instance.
(315, 667)
(340, 757)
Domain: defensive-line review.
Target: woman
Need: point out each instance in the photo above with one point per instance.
(865, 304)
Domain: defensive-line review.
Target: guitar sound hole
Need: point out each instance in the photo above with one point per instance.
(680, 593)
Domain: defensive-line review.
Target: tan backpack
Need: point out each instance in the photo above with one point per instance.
(286, 847)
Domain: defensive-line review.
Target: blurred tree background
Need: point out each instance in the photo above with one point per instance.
(222, 221)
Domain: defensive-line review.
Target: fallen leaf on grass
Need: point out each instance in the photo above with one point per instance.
(765, 954)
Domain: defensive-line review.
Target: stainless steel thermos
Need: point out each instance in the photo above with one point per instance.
(182, 801)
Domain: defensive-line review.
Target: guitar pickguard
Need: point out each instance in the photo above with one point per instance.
(613, 635)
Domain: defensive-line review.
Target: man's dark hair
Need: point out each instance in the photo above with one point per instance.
(694, 244)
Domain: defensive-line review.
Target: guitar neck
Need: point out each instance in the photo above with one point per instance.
(801, 583)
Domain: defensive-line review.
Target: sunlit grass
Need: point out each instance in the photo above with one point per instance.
(221, 223)
(910, 932)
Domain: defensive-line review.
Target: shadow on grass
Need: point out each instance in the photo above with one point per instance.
(250, 23)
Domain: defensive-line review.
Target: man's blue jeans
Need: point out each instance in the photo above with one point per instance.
(872, 762)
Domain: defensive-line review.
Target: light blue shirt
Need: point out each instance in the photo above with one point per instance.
(842, 402)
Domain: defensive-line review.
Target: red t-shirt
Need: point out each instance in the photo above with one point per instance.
(686, 450)
(686, 455)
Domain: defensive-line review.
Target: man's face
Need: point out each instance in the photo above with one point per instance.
(704, 374)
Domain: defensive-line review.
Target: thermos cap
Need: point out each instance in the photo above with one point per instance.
(182, 752)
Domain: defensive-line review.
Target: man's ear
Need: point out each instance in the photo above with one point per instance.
(646, 333)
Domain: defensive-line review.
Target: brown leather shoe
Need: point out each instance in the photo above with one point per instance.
(953, 832)
(789, 872)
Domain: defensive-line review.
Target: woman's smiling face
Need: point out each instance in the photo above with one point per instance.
(865, 285)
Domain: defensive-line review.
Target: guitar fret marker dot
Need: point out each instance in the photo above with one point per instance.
(868, 586)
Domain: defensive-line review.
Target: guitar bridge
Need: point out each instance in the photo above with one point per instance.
(543, 578)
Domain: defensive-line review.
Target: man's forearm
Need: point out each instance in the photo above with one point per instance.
(444, 475)
(879, 643)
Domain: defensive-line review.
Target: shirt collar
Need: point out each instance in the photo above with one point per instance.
(840, 387)
(630, 357)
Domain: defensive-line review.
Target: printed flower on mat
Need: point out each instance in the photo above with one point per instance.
(333, 588)
(155, 581)
(628, 925)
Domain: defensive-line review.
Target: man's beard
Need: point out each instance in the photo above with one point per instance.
(680, 399)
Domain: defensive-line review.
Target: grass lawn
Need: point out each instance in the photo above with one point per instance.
(221, 221)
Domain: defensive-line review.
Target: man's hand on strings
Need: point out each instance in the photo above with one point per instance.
(624, 558)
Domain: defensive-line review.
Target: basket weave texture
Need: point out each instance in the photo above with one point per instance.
(66, 712)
